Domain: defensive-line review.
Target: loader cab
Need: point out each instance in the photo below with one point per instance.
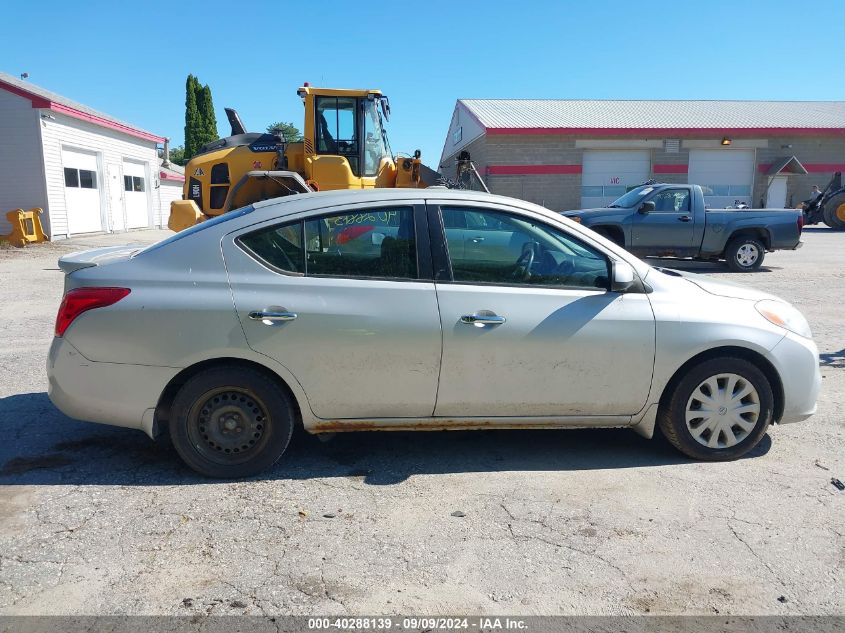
(346, 144)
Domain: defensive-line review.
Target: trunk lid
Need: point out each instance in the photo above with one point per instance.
(96, 257)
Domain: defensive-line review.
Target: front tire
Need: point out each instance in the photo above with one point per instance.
(745, 254)
(231, 422)
(719, 410)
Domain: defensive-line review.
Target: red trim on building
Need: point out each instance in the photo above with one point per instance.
(665, 131)
(818, 168)
(671, 169)
(165, 176)
(41, 102)
(520, 170)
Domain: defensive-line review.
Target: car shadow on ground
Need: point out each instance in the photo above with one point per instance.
(692, 266)
(44, 447)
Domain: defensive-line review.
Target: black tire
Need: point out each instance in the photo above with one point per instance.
(737, 254)
(672, 416)
(833, 216)
(231, 422)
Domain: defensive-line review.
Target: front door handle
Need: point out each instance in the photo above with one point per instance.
(483, 318)
(685, 218)
(476, 240)
(270, 317)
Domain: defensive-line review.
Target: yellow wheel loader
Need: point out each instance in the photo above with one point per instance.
(344, 146)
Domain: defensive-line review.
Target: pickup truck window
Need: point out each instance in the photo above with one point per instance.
(632, 198)
(672, 201)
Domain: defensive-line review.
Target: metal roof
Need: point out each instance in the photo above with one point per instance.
(45, 98)
(574, 114)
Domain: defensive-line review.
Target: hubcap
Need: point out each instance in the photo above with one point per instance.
(228, 425)
(722, 411)
(747, 255)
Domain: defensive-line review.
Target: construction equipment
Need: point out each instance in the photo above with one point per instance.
(344, 146)
(26, 227)
(828, 206)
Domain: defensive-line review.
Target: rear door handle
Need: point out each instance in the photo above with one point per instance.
(483, 318)
(269, 317)
(685, 218)
(476, 240)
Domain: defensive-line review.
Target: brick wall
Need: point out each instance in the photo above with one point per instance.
(563, 191)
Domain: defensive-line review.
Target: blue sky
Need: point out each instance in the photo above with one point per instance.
(132, 63)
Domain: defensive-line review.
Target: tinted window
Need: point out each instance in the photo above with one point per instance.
(671, 201)
(369, 243)
(508, 249)
(279, 246)
(71, 177)
(87, 179)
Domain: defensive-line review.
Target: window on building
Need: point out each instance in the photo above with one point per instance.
(82, 178)
(133, 183)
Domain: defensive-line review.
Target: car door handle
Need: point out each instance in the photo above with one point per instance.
(269, 317)
(476, 240)
(685, 218)
(483, 319)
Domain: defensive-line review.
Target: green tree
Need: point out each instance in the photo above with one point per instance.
(200, 120)
(288, 131)
(177, 155)
(208, 120)
(192, 117)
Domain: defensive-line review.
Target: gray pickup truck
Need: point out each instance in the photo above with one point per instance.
(671, 220)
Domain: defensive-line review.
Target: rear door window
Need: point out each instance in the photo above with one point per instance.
(377, 243)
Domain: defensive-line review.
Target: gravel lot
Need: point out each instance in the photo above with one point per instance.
(97, 520)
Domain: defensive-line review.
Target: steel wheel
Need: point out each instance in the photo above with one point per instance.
(228, 425)
(722, 411)
(747, 254)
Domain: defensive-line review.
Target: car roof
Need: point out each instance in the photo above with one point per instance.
(352, 196)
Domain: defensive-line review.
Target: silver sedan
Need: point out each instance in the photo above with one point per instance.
(415, 310)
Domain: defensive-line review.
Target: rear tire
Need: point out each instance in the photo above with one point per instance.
(719, 410)
(231, 422)
(834, 212)
(745, 254)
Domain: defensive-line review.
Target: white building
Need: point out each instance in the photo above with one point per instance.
(89, 171)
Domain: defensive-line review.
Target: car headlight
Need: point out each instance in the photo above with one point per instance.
(785, 316)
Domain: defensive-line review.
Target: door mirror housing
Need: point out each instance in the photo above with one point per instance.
(622, 277)
(646, 208)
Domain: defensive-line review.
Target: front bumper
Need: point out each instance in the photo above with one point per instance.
(108, 393)
(796, 360)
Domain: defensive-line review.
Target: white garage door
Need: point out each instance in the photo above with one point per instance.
(136, 192)
(608, 174)
(82, 191)
(725, 175)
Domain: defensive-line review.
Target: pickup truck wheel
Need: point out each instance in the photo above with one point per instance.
(231, 422)
(719, 411)
(745, 254)
(834, 212)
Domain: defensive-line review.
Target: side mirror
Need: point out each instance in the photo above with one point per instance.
(623, 277)
(646, 208)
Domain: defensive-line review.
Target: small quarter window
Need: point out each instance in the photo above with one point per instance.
(279, 246)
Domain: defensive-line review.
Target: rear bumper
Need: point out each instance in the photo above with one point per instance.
(796, 360)
(107, 393)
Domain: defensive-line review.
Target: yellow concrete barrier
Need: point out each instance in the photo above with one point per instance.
(26, 227)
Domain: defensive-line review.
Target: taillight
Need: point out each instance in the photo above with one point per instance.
(81, 300)
(800, 223)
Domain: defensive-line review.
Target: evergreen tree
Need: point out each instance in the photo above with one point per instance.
(289, 131)
(192, 117)
(208, 125)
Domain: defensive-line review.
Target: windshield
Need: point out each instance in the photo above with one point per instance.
(376, 146)
(631, 198)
